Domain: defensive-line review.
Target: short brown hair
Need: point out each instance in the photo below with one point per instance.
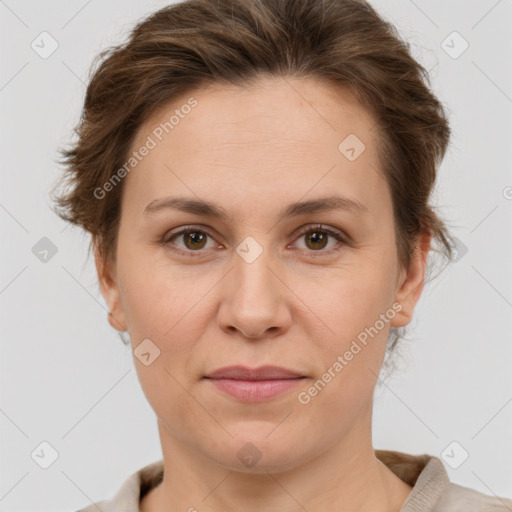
(198, 42)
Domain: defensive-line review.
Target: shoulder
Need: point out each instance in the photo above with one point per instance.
(457, 498)
(128, 496)
(432, 490)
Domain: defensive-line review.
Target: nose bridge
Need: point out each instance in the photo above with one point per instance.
(255, 301)
(253, 278)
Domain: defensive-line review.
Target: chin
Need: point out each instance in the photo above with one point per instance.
(253, 450)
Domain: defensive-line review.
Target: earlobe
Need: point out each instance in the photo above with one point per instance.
(411, 282)
(110, 292)
(118, 326)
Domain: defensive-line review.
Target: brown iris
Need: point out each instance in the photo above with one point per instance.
(196, 237)
(318, 239)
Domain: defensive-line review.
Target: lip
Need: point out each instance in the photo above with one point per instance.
(260, 373)
(254, 385)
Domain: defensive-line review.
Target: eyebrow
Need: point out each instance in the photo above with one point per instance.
(209, 209)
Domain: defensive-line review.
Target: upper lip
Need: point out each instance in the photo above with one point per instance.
(261, 373)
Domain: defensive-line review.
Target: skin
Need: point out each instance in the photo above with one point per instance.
(253, 151)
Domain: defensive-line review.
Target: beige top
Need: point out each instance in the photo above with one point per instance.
(432, 491)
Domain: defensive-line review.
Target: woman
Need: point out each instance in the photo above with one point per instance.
(256, 178)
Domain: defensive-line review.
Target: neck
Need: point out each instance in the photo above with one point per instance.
(346, 477)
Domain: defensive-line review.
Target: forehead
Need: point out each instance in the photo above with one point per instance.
(278, 137)
(286, 110)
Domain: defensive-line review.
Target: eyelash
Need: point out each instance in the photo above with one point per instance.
(313, 229)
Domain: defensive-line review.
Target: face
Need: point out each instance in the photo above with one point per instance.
(252, 287)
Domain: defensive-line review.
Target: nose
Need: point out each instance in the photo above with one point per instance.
(255, 301)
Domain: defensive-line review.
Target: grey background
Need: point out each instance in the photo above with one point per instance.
(67, 379)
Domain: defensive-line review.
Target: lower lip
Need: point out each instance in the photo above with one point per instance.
(255, 390)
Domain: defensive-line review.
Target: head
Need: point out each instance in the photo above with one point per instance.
(297, 143)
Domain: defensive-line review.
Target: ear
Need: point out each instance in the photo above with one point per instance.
(411, 281)
(110, 291)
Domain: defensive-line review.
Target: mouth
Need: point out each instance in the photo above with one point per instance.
(254, 385)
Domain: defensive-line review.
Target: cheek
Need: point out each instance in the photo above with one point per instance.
(167, 306)
(164, 309)
(349, 345)
(156, 298)
(346, 301)
(352, 320)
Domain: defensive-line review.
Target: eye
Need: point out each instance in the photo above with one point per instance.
(194, 240)
(316, 239)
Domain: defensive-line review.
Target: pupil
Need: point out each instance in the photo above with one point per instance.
(317, 238)
(195, 237)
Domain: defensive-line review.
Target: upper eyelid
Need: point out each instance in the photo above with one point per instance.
(180, 231)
